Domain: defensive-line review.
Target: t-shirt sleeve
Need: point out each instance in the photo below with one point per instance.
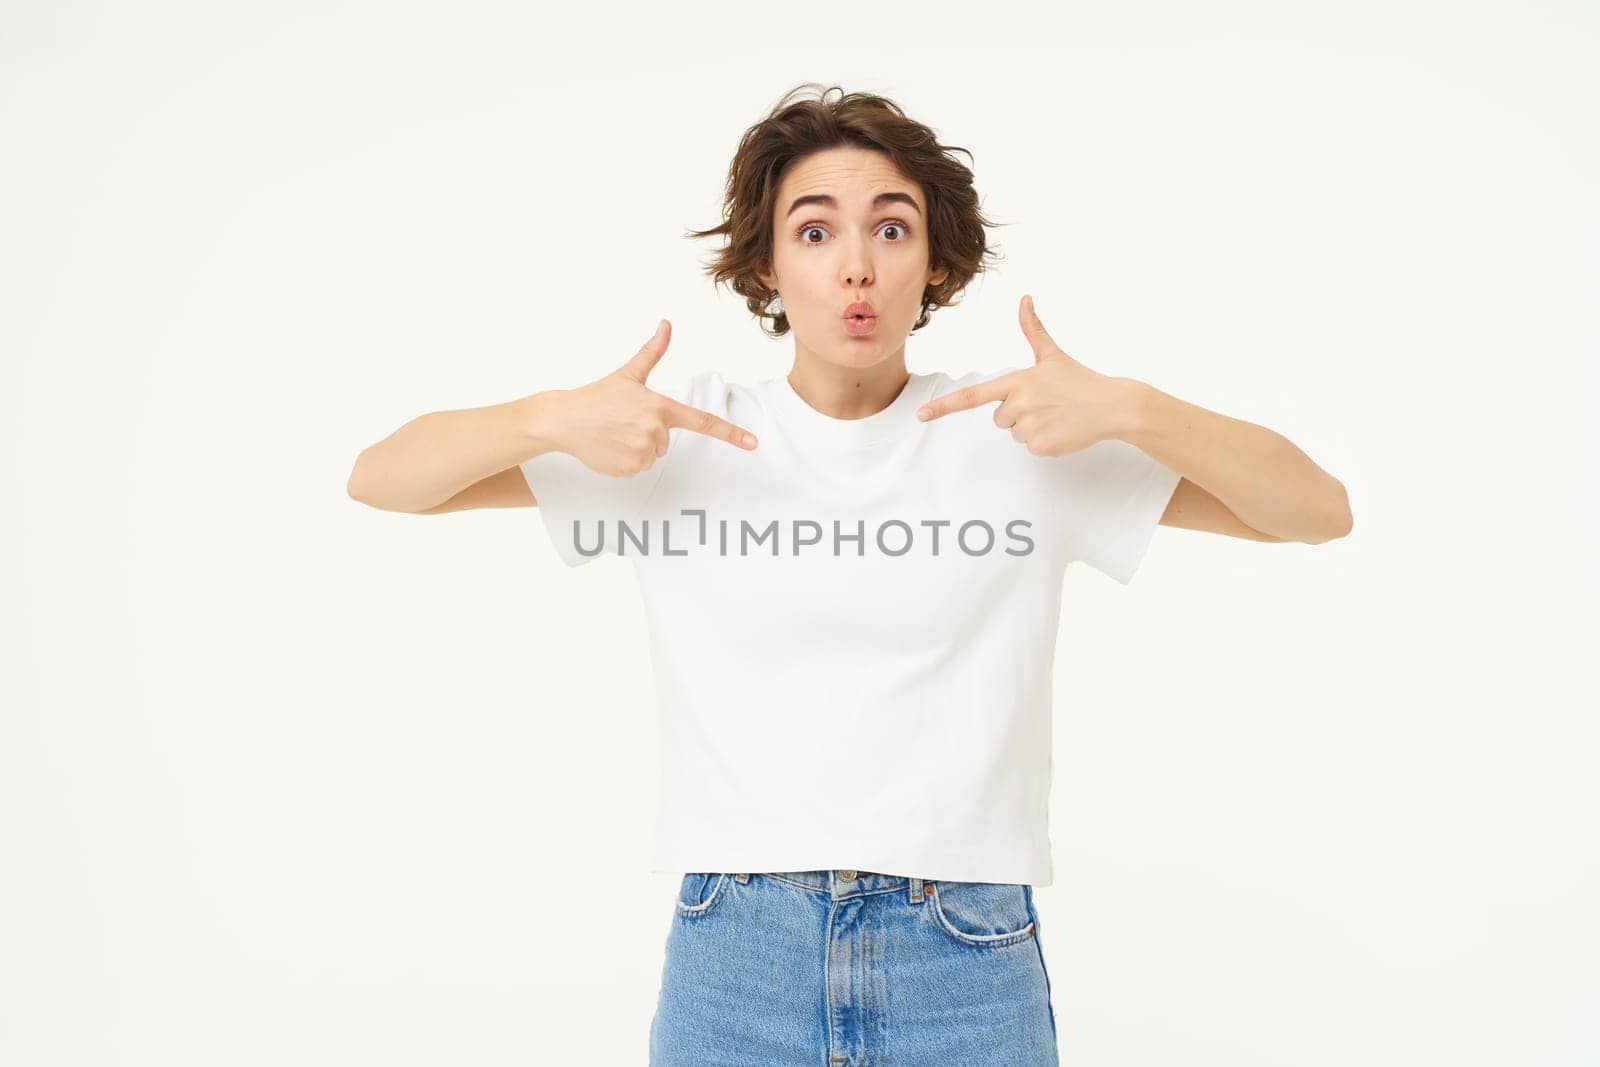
(584, 510)
(1115, 496)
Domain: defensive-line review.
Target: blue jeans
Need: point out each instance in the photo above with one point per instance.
(850, 969)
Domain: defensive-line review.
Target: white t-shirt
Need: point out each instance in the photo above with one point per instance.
(879, 700)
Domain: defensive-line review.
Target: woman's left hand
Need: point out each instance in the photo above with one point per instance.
(1054, 407)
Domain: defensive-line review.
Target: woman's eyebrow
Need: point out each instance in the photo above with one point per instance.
(877, 202)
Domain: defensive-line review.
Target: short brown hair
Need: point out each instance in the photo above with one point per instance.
(799, 125)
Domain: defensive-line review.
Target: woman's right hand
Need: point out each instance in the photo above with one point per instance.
(617, 425)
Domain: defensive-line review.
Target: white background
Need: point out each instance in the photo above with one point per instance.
(287, 779)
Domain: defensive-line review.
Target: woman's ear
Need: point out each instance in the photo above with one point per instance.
(938, 276)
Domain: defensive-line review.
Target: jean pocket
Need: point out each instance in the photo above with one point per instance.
(699, 894)
(982, 914)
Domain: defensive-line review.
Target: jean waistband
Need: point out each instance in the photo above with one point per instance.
(846, 883)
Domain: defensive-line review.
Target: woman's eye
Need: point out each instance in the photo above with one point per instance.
(900, 228)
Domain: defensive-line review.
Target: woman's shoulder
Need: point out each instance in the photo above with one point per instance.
(945, 382)
(710, 390)
(972, 377)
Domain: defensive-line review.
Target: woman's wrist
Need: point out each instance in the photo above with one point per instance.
(1132, 407)
(537, 418)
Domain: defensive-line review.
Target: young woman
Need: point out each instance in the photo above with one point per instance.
(852, 578)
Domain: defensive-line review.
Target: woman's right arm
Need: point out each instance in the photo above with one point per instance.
(470, 458)
(453, 460)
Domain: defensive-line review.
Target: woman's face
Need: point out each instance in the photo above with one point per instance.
(869, 243)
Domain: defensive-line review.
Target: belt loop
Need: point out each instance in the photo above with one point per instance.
(916, 891)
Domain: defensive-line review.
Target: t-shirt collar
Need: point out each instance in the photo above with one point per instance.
(886, 425)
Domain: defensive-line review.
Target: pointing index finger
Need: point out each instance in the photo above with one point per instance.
(692, 418)
(966, 397)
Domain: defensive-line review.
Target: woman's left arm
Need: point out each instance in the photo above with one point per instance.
(1259, 475)
(1237, 478)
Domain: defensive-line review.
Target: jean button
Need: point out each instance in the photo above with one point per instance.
(847, 876)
